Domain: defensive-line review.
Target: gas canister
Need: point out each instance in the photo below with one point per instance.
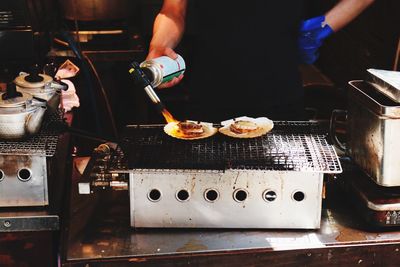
(163, 69)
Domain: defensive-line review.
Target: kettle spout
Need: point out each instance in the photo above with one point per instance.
(34, 120)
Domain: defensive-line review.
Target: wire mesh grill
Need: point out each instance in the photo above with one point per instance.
(290, 146)
(43, 143)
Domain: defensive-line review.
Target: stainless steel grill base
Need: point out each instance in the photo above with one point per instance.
(24, 181)
(273, 181)
(24, 164)
(270, 203)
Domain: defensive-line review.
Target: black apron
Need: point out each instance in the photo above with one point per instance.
(245, 60)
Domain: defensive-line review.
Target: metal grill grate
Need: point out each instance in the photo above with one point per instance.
(291, 146)
(42, 144)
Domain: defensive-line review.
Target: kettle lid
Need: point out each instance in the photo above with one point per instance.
(12, 98)
(23, 80)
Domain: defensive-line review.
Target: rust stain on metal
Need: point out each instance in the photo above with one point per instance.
(345, 233)
(193, 184)
(192, 245)
(236, 178)
(87, 249)
(11, 164)
(348, 235)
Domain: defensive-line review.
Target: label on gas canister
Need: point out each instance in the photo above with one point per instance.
(164, 68)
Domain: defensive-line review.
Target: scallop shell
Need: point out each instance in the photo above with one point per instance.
(264, 126)
(172, 128)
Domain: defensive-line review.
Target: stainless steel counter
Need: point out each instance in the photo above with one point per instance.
(99, 231)
(33, 219)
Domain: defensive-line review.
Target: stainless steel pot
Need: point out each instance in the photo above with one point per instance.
(20, 116)
(373, 125)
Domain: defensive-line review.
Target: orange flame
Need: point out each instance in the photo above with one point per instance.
(168, 116)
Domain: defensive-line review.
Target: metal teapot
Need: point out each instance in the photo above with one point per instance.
(41, 86)
(21, 114)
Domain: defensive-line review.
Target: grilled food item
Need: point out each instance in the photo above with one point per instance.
(242, 126)
(246, 127)
(190, 130)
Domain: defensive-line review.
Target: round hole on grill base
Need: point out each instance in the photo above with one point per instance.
(269, 195)
(299, 196)
(154, 195)
(182, 195)
(211, 195)
(24, 174)
(1, 175)
(240, 195)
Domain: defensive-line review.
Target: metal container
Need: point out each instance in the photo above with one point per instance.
(163, 69)
(373, 129)
(20, 116)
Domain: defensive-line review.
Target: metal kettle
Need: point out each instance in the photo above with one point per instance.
(21, 115)
(40, 86)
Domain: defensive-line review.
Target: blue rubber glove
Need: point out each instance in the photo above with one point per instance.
(312, 34)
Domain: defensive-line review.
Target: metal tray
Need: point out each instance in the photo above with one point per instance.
(378, 205)
(366, 93)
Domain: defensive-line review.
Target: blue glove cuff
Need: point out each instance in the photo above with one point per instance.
(312, 33)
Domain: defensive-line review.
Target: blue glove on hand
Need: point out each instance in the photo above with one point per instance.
(312, 33)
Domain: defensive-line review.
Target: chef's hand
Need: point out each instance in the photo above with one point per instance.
(164, 51)
(312, 34)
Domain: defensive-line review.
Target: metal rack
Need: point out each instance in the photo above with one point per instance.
(291, 146)
(42, 144)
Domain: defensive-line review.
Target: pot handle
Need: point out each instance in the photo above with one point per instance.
(332, 128)
(59, 85)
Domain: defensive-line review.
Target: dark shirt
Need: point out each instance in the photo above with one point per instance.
(245, 60)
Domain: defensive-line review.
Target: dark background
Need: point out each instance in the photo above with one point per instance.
(109, 99)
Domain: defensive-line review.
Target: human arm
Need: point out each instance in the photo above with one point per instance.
(315, 30)
(344, 12)
(168, 30)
